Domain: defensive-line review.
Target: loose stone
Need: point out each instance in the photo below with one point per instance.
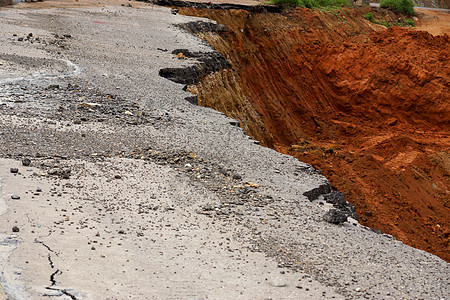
(335, 216)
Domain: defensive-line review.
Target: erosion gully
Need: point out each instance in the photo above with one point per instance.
(368, 106)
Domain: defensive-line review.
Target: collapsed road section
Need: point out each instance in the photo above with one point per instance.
(143, 195)
(367, 106)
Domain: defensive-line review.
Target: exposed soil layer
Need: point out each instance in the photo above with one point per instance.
(367, 106)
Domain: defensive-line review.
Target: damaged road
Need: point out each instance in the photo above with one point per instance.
(133, 192)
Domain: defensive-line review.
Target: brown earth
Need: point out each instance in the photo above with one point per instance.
(368, 106)
(433, 21)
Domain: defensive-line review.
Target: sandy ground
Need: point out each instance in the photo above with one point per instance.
(133, 192)
(434, 21)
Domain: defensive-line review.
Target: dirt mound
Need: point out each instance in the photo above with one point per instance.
(367, 106)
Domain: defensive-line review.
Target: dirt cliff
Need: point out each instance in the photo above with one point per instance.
(366, 105)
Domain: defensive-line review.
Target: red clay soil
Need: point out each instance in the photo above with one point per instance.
(368, 106)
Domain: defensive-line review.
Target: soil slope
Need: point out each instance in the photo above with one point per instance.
(367, 106)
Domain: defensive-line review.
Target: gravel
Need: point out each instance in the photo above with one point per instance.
(171, 195)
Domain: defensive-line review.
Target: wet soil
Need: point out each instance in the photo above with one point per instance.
(367, 106)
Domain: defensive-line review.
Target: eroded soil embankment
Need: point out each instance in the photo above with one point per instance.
(367, 106)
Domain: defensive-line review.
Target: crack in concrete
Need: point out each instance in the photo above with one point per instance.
(62, 292)
(52, 276)
(50, 261)
(46, 246)
(57, 272)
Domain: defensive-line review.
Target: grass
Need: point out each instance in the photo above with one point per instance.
(410, 22)
(311, 3)
(402, 23)
(405, 7)
(370, 17)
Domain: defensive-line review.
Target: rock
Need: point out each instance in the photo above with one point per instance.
(335, 216)
(26, 162)
(65, 173)
(336, 198)
(14, 170)
(15, 229)
(53, 171)
(339, 202)
(53, 87)
(15, 197)
(89, 105)
(237, 177)
(278, 282)
(117, 176)
(316, 192)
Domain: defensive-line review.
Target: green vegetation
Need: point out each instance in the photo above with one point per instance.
(410, 22)
(311, 3)
(384, 23)
(370, 17)
(401, 23)
(405, 7)
(284, 2)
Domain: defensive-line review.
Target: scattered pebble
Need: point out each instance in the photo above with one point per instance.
(237, 177)
(26, 162)
(278, 282)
